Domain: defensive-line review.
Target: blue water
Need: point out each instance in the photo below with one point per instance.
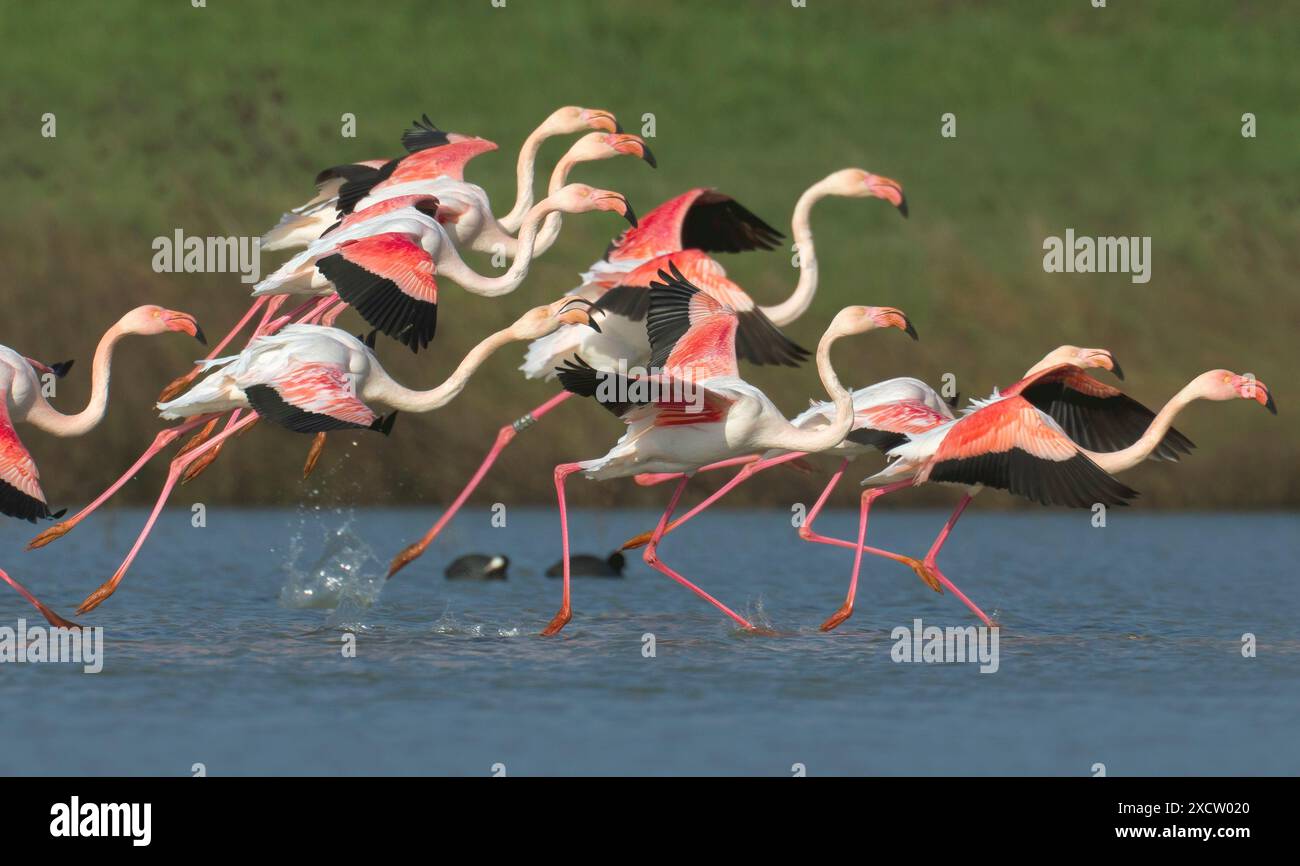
(1121, 645)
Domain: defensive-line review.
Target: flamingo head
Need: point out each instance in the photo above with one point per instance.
(859, 320)
(1084, 359)
(1227, 385)
(152, 319)
(857, 183)
(603, 145)
(540, 321)
(580, 198)
(573, 118)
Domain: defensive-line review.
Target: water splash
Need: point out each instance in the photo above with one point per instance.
(344, 573)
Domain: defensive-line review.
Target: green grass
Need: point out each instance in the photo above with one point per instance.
(1123, 120)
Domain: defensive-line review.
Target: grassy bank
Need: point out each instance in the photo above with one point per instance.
(1117, 121)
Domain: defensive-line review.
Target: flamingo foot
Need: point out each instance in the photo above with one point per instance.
(57, 621)
(96, 598)
(201, 463)
(560, 620)
(179, 384)
(317, 446)
(198, 438)
(845, 611)
(54, 533)
(924, 572)
(637, 541)
(408, 554)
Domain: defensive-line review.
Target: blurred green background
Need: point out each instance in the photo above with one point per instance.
(1117, 121)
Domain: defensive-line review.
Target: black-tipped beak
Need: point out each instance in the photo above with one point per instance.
(628, 213)
(648, 156)
(198, 335)
(618, 127)
(902, 205)
(1116, 368)
(592, 323)
(910, 330)
(1270, 405)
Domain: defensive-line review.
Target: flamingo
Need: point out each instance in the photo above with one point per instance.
(693, 339)
(884, 415)
(385, 257)
(312, 379)
(21, 495)
(432, 154)
(1009, 443)
(679, 232)
(382, 260)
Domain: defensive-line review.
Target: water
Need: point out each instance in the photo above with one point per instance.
(1120, 646)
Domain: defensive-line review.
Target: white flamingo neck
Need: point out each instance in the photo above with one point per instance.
(386, 390)
(455, 267)
(525, 167)
(1118, 461)
(801, 228)
(47, 418)
(792, 438)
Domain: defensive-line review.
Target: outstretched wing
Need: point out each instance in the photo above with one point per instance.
(20, 482)
(701, 219)
(1099, 417)
(691, 333)
(311, 398)
(1012, 446)
(388, 279)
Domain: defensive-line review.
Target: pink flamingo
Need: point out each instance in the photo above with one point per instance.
(382, 260)
(21, 495)
(1009, 443)
(693, 339)
(432, 155)
(679, 232)
(885, 414)
(312, 379)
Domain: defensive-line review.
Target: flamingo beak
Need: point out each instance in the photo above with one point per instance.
(186, 323)
(634, 145)
(890, 317)
(890, 190)
(1114, 366)
(619, 205)
(600, 120)
(1253, 389)
(578, 315)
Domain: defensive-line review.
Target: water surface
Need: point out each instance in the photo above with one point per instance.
(1120, 646)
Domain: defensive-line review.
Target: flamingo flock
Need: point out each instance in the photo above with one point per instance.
(654, 334)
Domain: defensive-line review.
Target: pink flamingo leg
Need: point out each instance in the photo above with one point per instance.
(161, 441)
(563, 471)
(504, 437)
(753, 465)
(933, 567)
(332, 314)
(50, 616)
(868, 497)
(649, 479)
(173, 475)
(651, 558)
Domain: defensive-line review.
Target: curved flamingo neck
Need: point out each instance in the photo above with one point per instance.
(793, 438)
(525, 168)
(47, 418)
(1118, 461)
(559, 177)
(455, 267)
(389, 391)
(801, 228)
